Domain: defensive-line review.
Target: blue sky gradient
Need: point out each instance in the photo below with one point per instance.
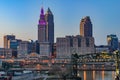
(20, 17)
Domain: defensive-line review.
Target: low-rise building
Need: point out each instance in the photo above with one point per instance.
(13, 44)
(5, 53)
(24, 48)
(27, 47)
(45, 49)
(65, 46)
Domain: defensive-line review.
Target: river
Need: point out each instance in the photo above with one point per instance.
(97, 75)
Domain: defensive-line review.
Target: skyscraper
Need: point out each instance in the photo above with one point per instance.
(7, 38)
(86, 27)
(42, 27)
(112, 41)
(46, 32)
(50, 26)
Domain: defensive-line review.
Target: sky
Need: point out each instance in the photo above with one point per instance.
(20, 17)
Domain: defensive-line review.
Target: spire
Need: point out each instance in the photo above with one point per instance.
(42, 11)
(49, 11)
(42, 17)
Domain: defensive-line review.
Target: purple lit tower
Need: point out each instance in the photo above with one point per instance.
(42, 27)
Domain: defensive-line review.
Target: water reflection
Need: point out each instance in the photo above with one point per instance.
(113, 75)
(97, 75)
(103, 75)
(93, 72)
(85, 75)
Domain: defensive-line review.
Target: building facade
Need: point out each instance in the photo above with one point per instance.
(45, 49)
(13, 44)
(24, 48)
(86, 27)
(5, 53)
(65, 46)
(27, 47)
(112, 41)
(36, 47)
(7, 38)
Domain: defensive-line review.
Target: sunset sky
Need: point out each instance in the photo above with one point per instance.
(20, 17)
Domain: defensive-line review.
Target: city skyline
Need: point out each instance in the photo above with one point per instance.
(21, 18)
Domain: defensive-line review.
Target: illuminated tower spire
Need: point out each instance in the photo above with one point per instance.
(42, 18)
(42, 27)
(42, 11)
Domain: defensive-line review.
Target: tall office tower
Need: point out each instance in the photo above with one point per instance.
(86, 27)
(44, 33)
(50, 26)
(7, 38)
(113, 43)
(42, 27)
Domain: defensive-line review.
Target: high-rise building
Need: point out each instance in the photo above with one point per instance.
(13, 44)
(86, 27)
(46, 32)
(42, 27)
(7, 38)
(113, 43)
(50, 26)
